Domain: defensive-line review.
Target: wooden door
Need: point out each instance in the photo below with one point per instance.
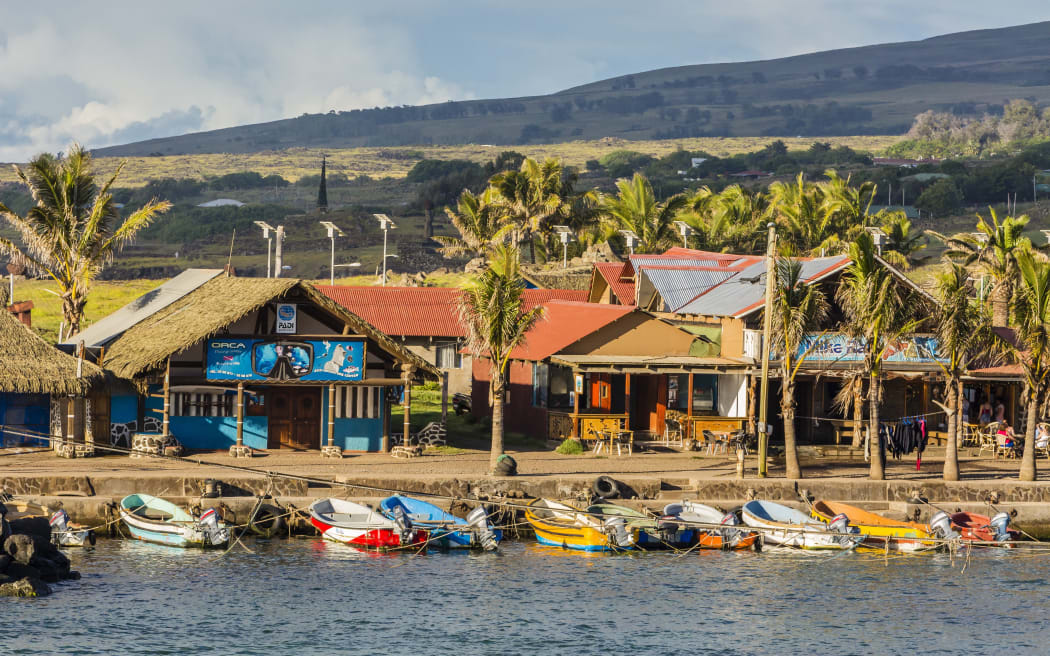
(601, 392)
(99, 400)
(294, 418)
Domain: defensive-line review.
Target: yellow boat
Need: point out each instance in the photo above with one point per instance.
(877, 530)
(561, 525)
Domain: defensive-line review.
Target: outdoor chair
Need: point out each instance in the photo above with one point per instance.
(1006, 451)
(715, 443)
(987, 439)
(673, 433)
(971, 435)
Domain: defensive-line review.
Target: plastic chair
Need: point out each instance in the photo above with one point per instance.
(673, 433)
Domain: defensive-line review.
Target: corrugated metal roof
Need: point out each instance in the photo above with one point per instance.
(113, 325)
(679, 286)
(564, 323)
(422, 311)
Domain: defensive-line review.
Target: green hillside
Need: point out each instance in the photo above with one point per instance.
(867, 90)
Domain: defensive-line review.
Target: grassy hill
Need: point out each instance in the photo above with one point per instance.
(868, 90)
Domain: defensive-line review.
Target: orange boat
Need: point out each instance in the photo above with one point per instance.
(731, 537)
(901, 535)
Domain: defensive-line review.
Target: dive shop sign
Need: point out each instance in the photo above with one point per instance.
(305, 360)
(286, 316)
(840, 348)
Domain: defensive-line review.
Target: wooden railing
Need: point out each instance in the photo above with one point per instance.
(696, 425)
(559, 424)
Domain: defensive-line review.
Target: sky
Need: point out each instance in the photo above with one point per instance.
(117, 71)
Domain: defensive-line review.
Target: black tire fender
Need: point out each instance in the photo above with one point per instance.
(606, 488)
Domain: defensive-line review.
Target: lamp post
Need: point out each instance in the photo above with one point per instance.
(266, 228)
(879, 237)
(333, 230)
(565, 234)
(386, 224)
(767, 322)
(630, 238)
(278, 252)
(685, 230)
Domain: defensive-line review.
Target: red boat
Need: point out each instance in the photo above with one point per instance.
(982, 528)
(360, 526)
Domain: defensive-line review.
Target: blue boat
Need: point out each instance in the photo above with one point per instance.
(446, 530)
(156, 520)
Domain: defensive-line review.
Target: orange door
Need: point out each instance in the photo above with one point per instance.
(601, 392)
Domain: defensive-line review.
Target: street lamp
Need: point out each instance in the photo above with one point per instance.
(266, 228)
(685, 230)
(630, 238)
(879, 237)
(333, 230)
(386, 224)
(566, 235)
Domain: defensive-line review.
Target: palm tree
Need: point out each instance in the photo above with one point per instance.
(905, 244)
(74, 229)
(798, 208)
(530, 198)
(995, 246)
(729, 221)
(1031, 307)
(478, 220)
(963, 334)
(873, 309)
(635, 208)
(797, 307)
(496, 322)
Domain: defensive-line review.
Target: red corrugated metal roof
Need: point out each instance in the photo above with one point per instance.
(612, 271)
(564, 323)
(422, 311)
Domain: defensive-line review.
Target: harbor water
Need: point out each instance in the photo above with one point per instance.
(306, 596)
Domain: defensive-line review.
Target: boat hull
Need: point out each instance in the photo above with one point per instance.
(791, 528)
(178, 530)
(717, 541)
(359, 526)
(559, 525)
(879, 532)
(437, 523)
(975, 528)
(707, 538)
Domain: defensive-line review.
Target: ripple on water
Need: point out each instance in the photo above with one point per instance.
(311, 597)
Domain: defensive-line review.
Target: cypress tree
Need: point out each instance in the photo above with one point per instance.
(322, 190)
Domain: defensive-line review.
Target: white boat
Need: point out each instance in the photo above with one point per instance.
(156, 520)
(357, 525)
(726, 536)
(792, 528)
(63, 532)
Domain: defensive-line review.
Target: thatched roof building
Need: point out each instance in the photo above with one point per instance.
(210, 309)
(29, 365)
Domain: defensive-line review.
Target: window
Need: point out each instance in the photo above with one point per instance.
(677, 398)
(705, 388)
(447, 356)
(540, 384)
(192, 404)
(357, 402)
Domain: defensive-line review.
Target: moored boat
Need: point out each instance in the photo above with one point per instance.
(647, 531)
(981, 528)
(157, 520)
(359, 526)
(63, 532)
(446, 530)
(561, 525)
(729, 536)
(879, 531)
(786, 526)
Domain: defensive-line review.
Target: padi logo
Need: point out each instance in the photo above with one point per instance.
(229, 345)
(286, 312)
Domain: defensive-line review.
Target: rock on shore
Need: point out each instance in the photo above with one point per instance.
(29, 560)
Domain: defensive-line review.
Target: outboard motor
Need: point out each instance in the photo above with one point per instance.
(668, 528)
(616, 530)
(59, 521)
(1000, 524)
(209, 525)
(730, 536)
(840, 524)
(404, 525)
(483, 533)
(941, 526)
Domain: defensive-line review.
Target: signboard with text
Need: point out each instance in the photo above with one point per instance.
(284, 360)
(840, 348)
(286, 319)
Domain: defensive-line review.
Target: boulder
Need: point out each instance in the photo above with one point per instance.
(21, 548)
(5, 560)
(35, 526)
(20, 571)
(25, 587)
(48, 570)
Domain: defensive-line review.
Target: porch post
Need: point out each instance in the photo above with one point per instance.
(385, 444)
(627, 399)
(167, 398)
(689, 409)
(444, 398)
(331, 415)
(406, 375)
(576, 405)
(240, 413)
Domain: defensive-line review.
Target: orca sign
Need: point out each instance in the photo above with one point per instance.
(306, 360)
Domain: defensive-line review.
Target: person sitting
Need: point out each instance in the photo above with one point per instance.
(1042, 436)
(1006, 437)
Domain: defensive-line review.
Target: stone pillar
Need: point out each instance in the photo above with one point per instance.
(406, 376)
(238, 450)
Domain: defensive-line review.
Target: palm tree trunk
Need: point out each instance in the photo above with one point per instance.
(1028, 459)
(72, 313)
(1000, 298)
(878, 462)
(858, 412)
(960, 426)
(787, 408)
(497, 421)
(951, 449)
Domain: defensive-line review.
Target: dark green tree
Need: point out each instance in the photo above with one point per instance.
(942, 198)
(322, 189)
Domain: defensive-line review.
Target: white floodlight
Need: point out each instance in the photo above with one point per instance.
(266, 228)
(333, 230)
(685, 230)
(386, 224)
(631, 238)
(878, 237)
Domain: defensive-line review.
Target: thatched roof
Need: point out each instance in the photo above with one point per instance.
(215, 305)
(30, 365)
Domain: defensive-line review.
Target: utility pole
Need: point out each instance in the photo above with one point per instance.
(767, 324)
(278, 251)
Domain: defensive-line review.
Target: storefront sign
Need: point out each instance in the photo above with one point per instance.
(840, 348)
(308, 360)
(286, 316)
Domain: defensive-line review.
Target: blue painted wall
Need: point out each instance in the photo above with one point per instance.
(123, 408)
(353, 434)
(218, 432)
(24, 413)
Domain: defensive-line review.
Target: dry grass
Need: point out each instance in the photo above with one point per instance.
(294, 163)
